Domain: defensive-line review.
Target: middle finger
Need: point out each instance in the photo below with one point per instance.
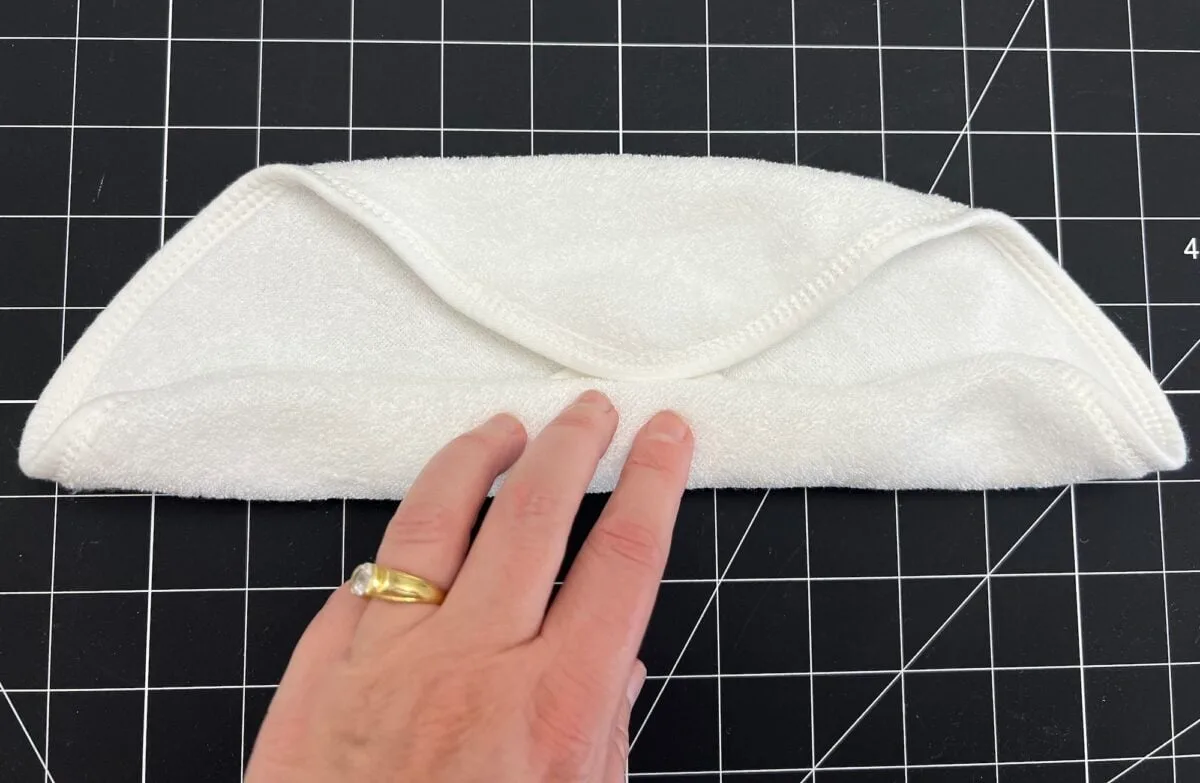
(509, 572)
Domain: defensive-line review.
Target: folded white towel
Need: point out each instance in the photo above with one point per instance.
(320, 332)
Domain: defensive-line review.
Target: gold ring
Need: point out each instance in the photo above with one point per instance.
(371, 580)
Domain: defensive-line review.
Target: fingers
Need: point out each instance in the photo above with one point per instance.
(430, 532)
(600, 615)
(617, 765)
(506, 581)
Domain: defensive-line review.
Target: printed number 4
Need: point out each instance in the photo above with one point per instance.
(1192, 250)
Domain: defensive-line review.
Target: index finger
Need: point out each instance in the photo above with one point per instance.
(600, 615)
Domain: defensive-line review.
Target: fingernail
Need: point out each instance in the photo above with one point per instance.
(636, 680)
(594, 399)
(668, 426)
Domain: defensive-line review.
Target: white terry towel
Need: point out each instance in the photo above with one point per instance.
(320, 332)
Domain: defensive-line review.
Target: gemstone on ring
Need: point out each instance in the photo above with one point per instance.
(360, 580)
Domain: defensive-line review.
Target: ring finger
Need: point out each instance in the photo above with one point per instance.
(429, 534)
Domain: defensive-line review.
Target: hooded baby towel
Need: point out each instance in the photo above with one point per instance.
(321, 331)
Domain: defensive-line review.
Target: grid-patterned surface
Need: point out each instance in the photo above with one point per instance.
(1013, 636)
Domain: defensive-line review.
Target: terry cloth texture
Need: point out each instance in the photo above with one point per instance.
(321, 331)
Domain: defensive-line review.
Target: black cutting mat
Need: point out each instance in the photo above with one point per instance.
(878, 637)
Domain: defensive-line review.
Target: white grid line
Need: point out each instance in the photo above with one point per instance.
(162, 239)
(707, 87)
(819, 131)
(258, 107)
(342, 556)
(1062, 218)
(769, 675)
(97, 308)
(258, 91)
(1052, 110)
(1162, 542)
(732, 580)
(245, 640)
(882, 102)
(1141, 190)
(897, 767)
(795, 92)
(166, 127)
(716, 519)
(699, 620)
(969, 111)
(149, 618)
(350, 99)
(717, 617)
(900, 628)
(442, 81)
(621, 79)
(62, 352)
(987, 558)
(962, 10)
(1108, 481)
(603, 44)
(1087, 775)
(1141, 193)
(812, 706)
(531, 50)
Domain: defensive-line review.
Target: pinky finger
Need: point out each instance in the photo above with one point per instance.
(617, 766)
(325, 642)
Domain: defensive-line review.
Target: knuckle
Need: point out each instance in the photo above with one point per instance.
(620, 745)
(532, 503)
(580, 417)
(627, 540)
(560, 705)
(655, 456)
(426, 523)
(621, 738)
(565, 738)
(450, 703)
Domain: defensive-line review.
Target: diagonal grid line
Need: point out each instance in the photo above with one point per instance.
(1149, 755)
(699, 620)
(25, 730)
(917, 655)
(983, 94)
(1179, 363)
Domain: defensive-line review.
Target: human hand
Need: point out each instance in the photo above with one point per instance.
(492, 684)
